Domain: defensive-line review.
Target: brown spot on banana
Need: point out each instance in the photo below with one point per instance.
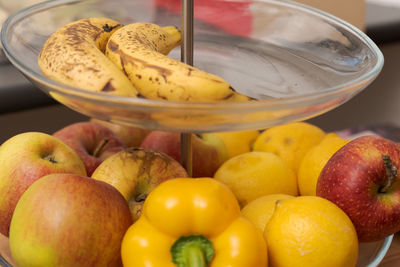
(162, 71)
(108, 87)
(128, 59)
(93, 69)
(123, 67)
(161, 96)
(112, 46)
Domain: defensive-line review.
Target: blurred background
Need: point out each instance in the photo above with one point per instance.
(25, 108)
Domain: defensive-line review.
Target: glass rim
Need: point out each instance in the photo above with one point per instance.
(127, 102)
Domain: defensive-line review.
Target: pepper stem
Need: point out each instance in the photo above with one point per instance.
(391, 173)
(196, 257)
(192, 251)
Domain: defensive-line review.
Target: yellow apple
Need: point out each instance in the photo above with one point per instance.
(135, 172)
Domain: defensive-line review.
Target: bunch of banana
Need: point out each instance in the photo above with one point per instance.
(140, 50)
(74, 55)
(101, 55)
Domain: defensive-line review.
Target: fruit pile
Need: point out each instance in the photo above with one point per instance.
(291, 195)
(99, 194)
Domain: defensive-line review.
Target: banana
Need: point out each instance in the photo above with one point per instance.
(140, 50)
(74, 55)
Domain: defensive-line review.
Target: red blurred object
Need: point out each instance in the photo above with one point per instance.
(233, 17)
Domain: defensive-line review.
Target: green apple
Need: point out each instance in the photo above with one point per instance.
(135, 172)
(69, 220)
(26, 157)
(209, 150)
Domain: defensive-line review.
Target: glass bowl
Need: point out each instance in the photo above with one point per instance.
(298, 61)
(370, 254)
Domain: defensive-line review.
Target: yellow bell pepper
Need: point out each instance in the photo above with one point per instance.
(190, 222)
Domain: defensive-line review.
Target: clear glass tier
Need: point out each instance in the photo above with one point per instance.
(298, 61)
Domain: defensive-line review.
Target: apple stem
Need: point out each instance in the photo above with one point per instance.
(100, 147)
(141, 197)
(50, 158)
(391, 173)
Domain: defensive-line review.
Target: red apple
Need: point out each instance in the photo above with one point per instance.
(135, 172)
(92, 141)
(209, 150)
(362, 179)
(131, 136)
(69, 220)
(26, 157)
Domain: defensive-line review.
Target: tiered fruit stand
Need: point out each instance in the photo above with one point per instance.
(297, 61)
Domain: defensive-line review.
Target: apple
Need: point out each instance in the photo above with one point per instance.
(209, 150)
(26, 157)
(92, 141)
(131, 136)
(69, 220)
(362, 179)
(135, 172)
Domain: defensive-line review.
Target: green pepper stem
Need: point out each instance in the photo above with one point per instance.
(196, 257)
(192, 251)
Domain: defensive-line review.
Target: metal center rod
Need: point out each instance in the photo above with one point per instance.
(187, 12)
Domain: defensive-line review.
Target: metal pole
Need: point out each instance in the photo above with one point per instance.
(187, 11)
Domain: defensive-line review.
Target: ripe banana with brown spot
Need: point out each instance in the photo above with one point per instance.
(74, 55)
(140, 50)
